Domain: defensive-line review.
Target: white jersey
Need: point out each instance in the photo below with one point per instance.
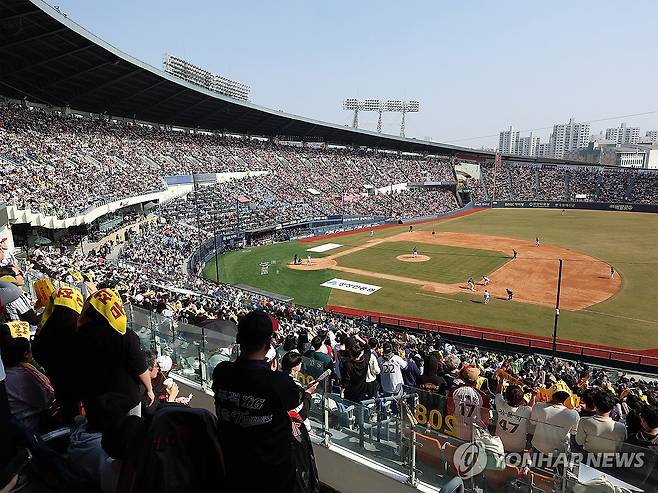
(512, 424)
(391, 374)
(373, 369)
(554, 424)
(471, 407)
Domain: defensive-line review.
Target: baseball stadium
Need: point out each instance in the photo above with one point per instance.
(202, 293)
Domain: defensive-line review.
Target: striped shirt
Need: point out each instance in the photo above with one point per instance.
(18, 307)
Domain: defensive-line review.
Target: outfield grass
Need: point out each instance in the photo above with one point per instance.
(446, 264)
(626, 240)
(243, 267)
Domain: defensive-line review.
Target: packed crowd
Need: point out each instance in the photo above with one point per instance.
(90, 161)
(517, 181)
(250, 204)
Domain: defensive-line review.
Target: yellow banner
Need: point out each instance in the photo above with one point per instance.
(43, 289)
(64, 296)
(19, 329)
(108, 303)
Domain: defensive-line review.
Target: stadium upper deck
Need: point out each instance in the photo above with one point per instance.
(45, 57)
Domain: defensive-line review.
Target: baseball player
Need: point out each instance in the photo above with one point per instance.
(411, 228)
(372, 233)
(433, 234)
(471, 284)
(510, 294)
(486, 280)
(415, 252)
(486, 296)
(308, 260)
(514, 253)
(537, 241)
(612, 272)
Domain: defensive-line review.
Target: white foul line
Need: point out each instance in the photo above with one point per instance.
(441, 297)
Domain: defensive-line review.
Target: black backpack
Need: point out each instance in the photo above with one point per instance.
(174, 450)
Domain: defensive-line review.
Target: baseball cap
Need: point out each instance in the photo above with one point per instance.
(470, 373)
(164, 362)
(387, 348)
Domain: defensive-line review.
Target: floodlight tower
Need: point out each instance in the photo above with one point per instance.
(408, 107)
(352, 104)
(380, 106)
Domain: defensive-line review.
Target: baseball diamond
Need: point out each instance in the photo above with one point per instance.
(595, 308)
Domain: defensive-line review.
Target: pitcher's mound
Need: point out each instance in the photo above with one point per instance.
(411, 258)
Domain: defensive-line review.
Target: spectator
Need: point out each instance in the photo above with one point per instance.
(600, 433)
(553, 422)
(30, 395)
(252, 404)
(292, 364)
(391, 371)
(289, 344)
(411, 373)
(318, 353)
(110, 354)
(633, 419)
(512, 418)
(468, 404)
(587, 403)
(354, 370)
(53, 346)
(648, 435)
(431, 379)
(7, 258)
(21, 308)
(372, 385)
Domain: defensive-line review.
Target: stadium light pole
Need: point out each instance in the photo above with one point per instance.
(557, 308)
(214, 229)
(237, 215)
(380, 106)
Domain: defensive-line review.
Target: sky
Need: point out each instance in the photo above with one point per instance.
(476, 66)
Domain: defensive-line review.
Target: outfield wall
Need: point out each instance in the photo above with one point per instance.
(597, 206)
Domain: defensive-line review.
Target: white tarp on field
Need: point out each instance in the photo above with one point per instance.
(351, 286)
(324, 248)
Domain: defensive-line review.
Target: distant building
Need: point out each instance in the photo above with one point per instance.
(544, 150)
(567, 137)
(528, 146)
(508, 141)
(623, 135)
(652, 136)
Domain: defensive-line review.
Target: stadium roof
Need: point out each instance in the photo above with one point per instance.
(47, 58)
